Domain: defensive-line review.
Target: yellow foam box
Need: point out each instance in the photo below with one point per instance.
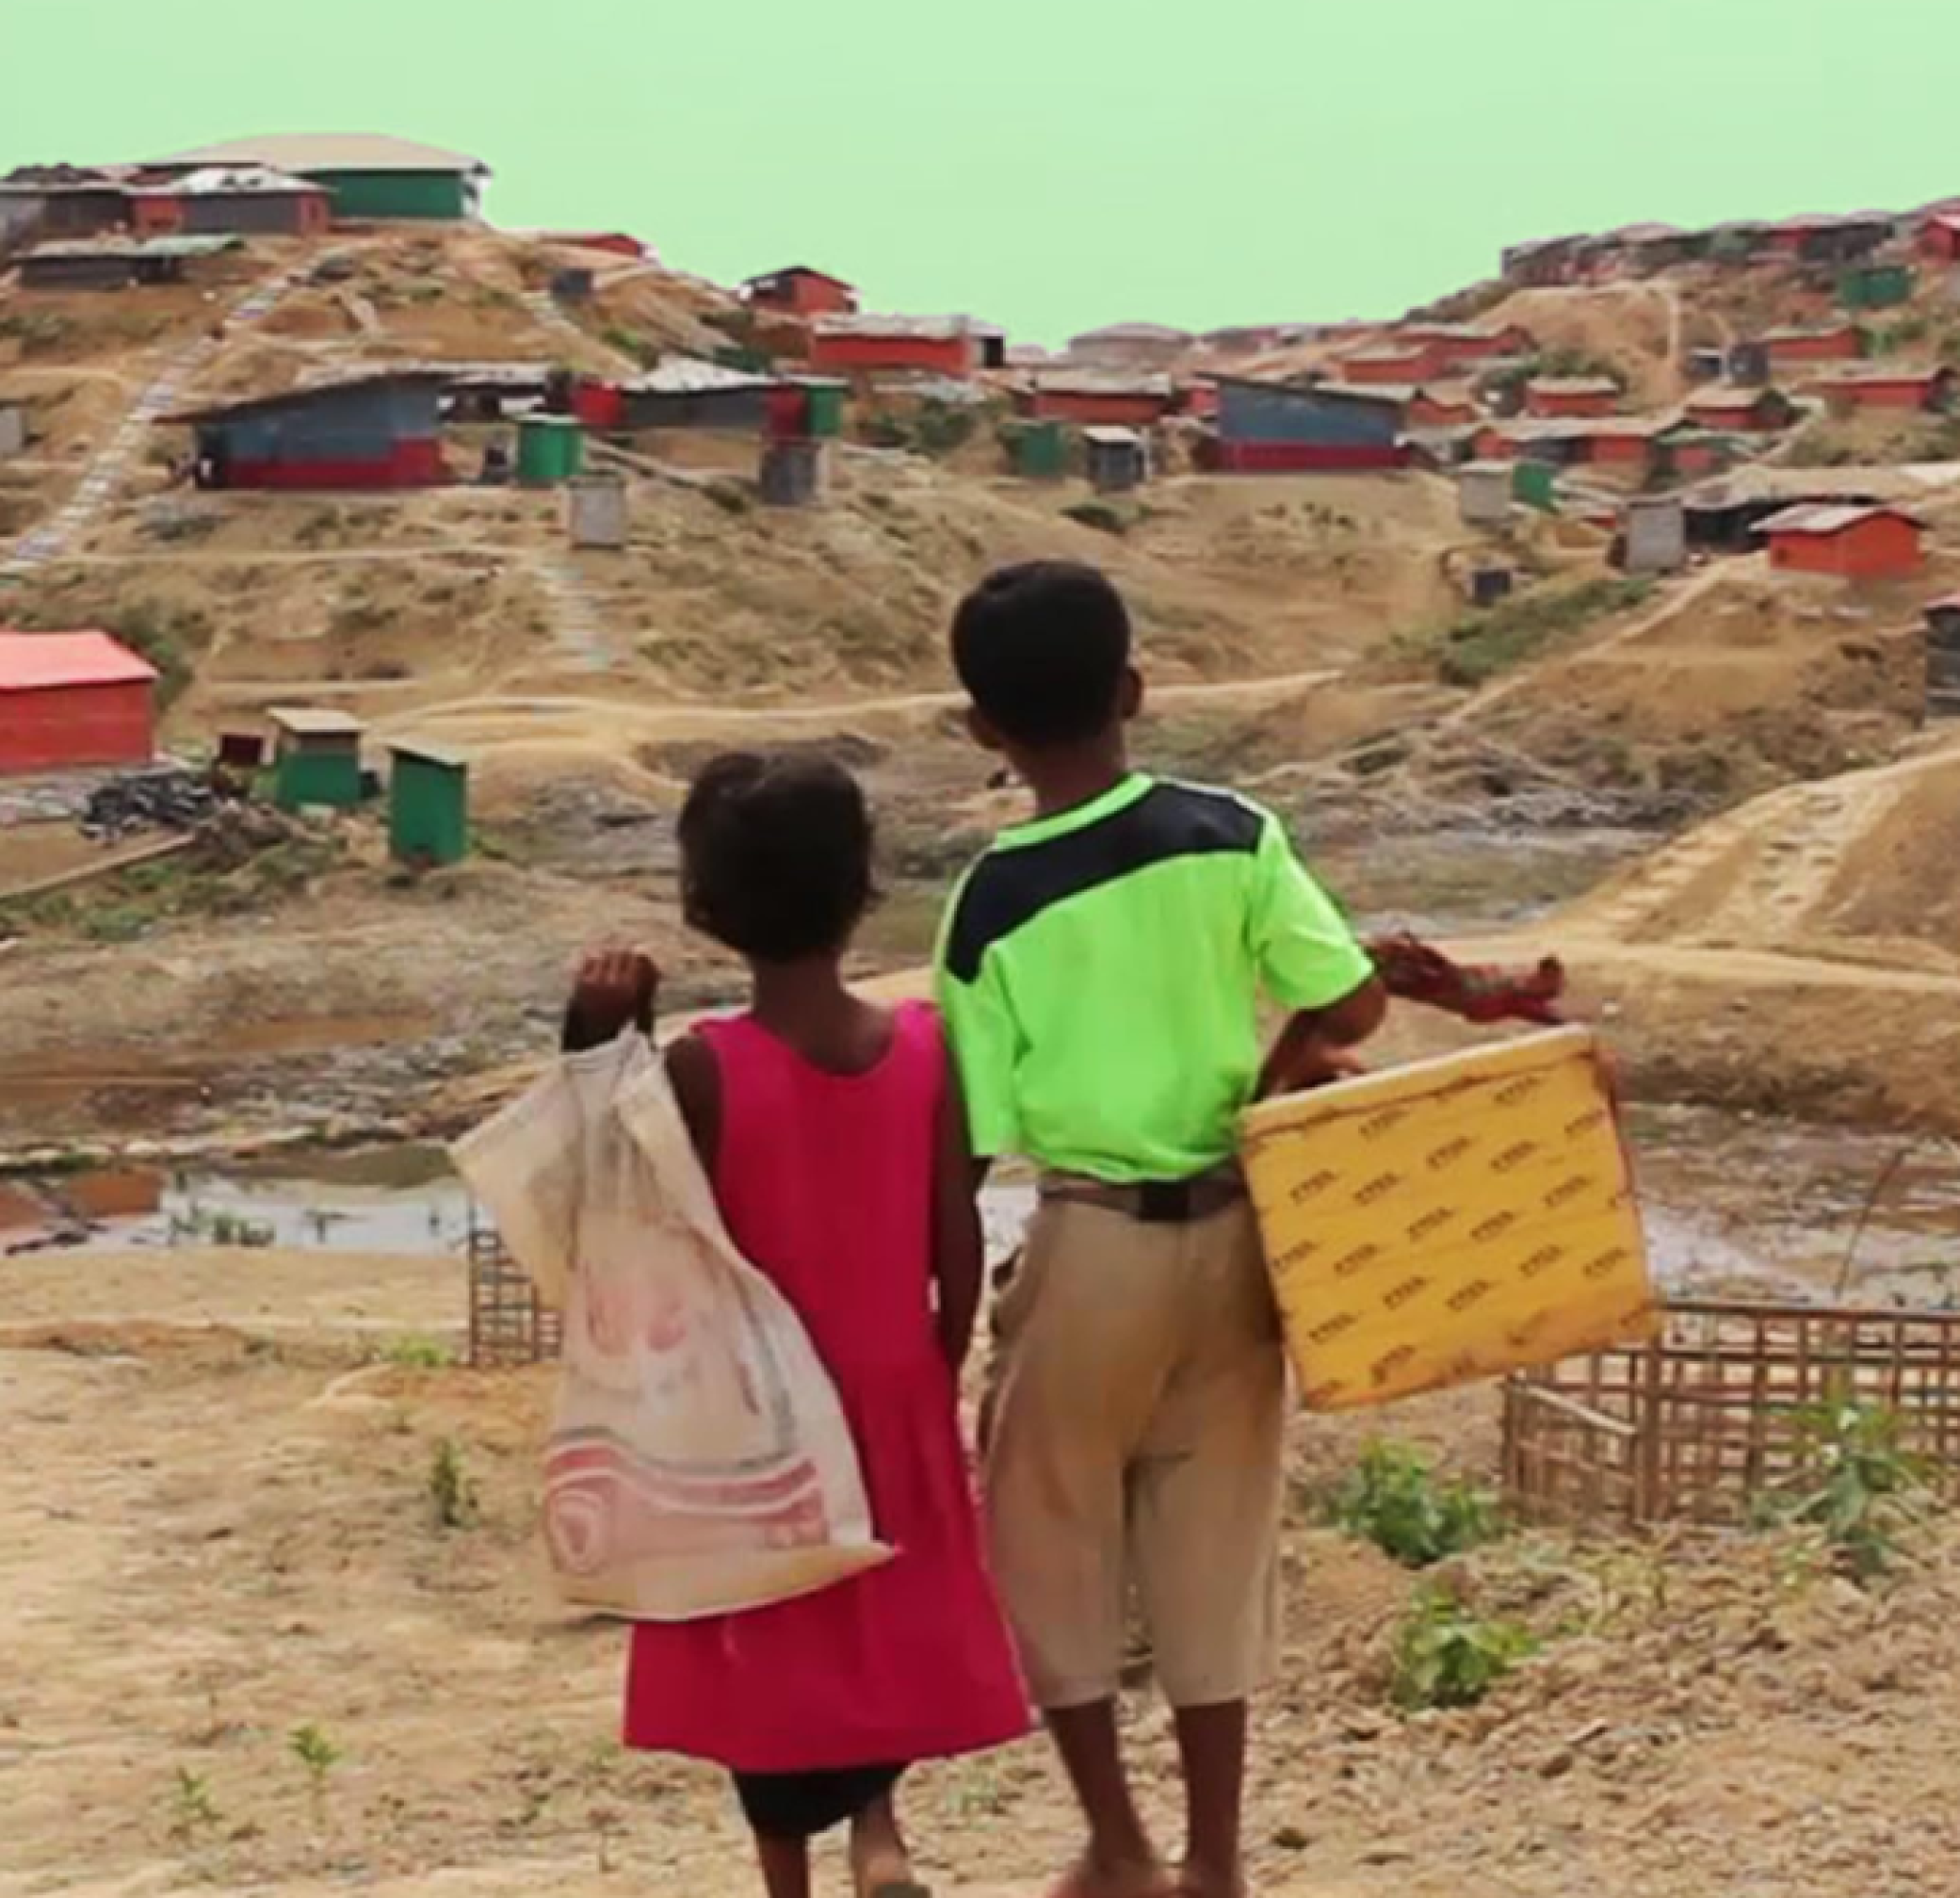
(1449, 1221)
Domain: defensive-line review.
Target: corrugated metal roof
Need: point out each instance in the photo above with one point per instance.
(436, 754)
(1828, 518)
(1102, 382)
(1854, 374)
(1133, 332)
(1725, 397)
(303, 391)
(689, 376)
(1114, 437)
(40, 661)
(136, 247)
(230, 180)
(1796, 333)
(1746, 487)
(923, 326)
(794, 269)
(1577, 426)
(330, 152)
(1572, 384)
(315, 722)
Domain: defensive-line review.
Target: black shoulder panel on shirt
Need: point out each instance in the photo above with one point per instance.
(1012, 888)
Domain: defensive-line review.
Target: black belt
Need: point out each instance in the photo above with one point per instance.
(1154, 1202)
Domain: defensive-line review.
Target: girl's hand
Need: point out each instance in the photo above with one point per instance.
(614, 987)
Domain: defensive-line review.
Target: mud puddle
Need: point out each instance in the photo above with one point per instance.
(1731, 1204)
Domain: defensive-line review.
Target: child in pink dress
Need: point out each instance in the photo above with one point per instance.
(836, 1145)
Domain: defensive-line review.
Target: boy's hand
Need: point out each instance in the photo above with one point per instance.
(1293, 1069)
(614, 987)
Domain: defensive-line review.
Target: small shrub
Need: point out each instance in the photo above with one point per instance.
(1861, 1489)
(1098, 515)
(317, 1756)
(416, 1353)
(881, 429)
(192, 1809)
(1395, 1499)
(119, 922)
(450, 1491)
(1447, 1656)
(944, 426)
(1476, 648)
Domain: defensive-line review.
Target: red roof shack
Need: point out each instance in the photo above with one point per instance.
(1558, 398)
(1456, 343)
(943, 345)
(1739, 410)
(1887, 385)
(1851, 543)
(1939, 237)
(1100, 400)
(614, 243)
(1392, 365)
(1838, 342)
(72, 699)
(800, 291)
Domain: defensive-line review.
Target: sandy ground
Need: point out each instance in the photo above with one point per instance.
(215, 1528)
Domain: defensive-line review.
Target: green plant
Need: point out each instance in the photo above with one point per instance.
(1860, 1487)
(944, 426)
(1476, 648)
(416, 1353)
(1098, 515)
(450, 1491)
(1395, 1499)
(192, 1809)
(319, 1756)
(1445, 1654)
(643, 350)
(119, 922)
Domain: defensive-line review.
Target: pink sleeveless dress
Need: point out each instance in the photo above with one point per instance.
(825, 1184)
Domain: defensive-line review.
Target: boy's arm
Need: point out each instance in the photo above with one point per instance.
(1311, 963)
(983, 1043)
(958, 1247)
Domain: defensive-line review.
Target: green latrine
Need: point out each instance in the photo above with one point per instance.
(550, 449)
(316, 758)
(1876, 287)
(1536, 484)
(824, 416)
(1038, 450)
(427, 805)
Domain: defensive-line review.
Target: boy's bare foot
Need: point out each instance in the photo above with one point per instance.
(1139, 1879)
(1196, 1880)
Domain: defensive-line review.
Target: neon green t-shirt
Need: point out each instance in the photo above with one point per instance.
(1100, 974)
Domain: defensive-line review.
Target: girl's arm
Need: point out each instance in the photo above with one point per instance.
(958, 1251)
(697, 1083)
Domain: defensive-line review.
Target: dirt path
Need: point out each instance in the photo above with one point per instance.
(1709, 1719)
(1530, 680)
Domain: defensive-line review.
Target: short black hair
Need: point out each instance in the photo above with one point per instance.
(775, 853)
(1041, 649)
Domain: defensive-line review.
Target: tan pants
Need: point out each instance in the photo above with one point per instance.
(1137, 1412)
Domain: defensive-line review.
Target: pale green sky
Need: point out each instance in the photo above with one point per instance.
(1053, 163)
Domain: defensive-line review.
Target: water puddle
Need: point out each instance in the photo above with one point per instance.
(1732, 1204)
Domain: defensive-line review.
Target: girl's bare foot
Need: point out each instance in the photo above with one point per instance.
(881, 1864)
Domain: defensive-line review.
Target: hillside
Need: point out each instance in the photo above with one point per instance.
(1307, 633)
